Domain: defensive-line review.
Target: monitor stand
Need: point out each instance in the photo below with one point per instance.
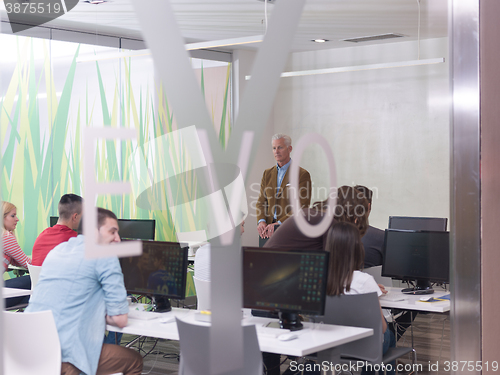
(265, 314)
(161, 304)
(422, 287)
(290, 321)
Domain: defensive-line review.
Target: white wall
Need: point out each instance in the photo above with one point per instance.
(389, 129)
(243, 61)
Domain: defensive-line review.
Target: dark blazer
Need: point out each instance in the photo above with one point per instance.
(373, 241)
(271, 197)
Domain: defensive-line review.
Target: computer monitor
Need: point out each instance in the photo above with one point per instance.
(418, 223)
(421, 256)
(160, 273)
(53, 220)
(137, 229)
(287, 281)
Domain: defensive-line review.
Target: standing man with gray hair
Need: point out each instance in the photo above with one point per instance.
(273, 206)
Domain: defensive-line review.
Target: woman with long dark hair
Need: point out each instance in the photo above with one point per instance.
(345, 277)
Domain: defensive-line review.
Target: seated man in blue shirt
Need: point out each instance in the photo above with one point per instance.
(84, 295)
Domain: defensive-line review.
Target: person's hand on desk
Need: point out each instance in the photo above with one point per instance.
(382, 289)
(117, 320)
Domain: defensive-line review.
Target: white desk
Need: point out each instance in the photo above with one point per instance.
(313, 338)
(412, 302)
(11, 267)
(14, 292)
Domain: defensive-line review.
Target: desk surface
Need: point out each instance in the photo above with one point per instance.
(13, 292)
(412, 302)
(11, 267)
(313, 338)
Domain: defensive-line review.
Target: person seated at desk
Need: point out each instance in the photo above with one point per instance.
(70, 214)
(373, 240)
(351, 207)
(202, 259)
(344, 275)
(12, 254)
(94, 294)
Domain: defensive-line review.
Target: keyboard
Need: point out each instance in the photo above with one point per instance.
(270, 331)
(393, 297)
(142, 315)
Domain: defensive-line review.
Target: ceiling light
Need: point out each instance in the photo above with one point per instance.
(399, 64)
(189, 47)
(225, 42)
(319, 40)
(372, 38)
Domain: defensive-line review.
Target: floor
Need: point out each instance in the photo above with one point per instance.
(161, 356)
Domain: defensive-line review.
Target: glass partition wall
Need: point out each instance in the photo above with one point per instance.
(51, 90)
(47, 96)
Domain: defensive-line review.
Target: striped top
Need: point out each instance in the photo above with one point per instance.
(12, 253)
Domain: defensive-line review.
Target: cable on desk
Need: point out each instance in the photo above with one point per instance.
(443, 286)
(172, 356)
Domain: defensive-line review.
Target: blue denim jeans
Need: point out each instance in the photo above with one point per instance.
(389, 342)
(113, 338)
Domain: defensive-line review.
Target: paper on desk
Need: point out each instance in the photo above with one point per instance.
(435, 300)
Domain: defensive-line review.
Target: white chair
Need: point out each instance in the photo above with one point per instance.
(194, 345)
(202, 293)
(34, 272)
(31, 344)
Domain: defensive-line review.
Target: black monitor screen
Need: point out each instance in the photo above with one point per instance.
(422, 256)
(418, 223)
(285, 280)
(161, 270)
(137, 229)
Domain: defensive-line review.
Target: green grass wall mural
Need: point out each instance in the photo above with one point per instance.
(41, 128)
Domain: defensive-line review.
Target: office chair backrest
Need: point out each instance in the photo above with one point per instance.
(194, 345)
(202, 293)
(31, 344)
(358, 310)
(376, 272)
(34, 274)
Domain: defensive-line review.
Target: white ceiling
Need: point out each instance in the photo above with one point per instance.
(206, 20)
